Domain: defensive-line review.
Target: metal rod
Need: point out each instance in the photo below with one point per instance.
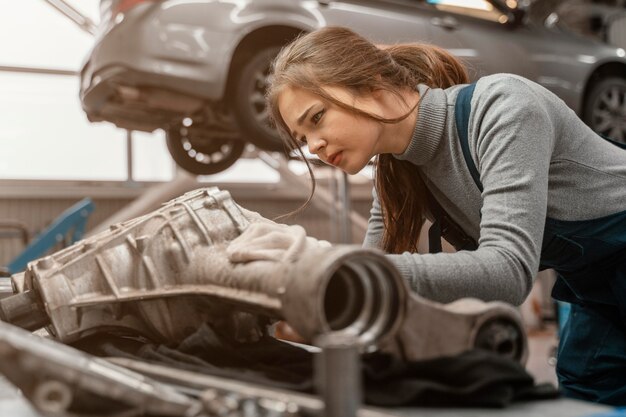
(33, 70)
(74, 15)
(129, 156)
(338, 375)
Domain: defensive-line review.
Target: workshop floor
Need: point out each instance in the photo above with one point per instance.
(541, 346)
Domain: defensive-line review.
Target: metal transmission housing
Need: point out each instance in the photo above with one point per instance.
(164, 274)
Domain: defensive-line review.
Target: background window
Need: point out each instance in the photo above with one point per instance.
(44, 133)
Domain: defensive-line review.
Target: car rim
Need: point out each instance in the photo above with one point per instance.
(205, 150)
(258, 105)
(609, 113)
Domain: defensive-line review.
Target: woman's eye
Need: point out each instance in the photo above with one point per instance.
(317, 116)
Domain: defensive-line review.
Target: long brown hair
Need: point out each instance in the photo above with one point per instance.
(335, 56)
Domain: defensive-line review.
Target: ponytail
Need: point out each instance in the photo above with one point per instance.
(401, 191)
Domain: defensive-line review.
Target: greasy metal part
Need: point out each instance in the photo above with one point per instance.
(153, 273)
(347, 290)
(6, 287)
(233, 404)
(338, 374)
(431, 329)
(24, 310)
(166, 273)
(305, 404)
(58, 379)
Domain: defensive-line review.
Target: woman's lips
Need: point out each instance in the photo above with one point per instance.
(335, 159)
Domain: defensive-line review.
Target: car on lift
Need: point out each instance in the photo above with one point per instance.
(198, 68)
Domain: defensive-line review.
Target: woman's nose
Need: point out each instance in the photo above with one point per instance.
(315, 144)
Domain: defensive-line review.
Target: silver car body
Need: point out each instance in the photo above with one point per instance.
(160, 61)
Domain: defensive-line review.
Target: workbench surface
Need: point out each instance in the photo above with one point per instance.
(12, 404)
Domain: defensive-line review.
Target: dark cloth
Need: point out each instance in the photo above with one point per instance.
(269, 361)
(474, 378)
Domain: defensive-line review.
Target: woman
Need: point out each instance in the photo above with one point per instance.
(504, 162)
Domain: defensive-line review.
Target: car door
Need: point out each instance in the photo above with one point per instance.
(473, 30)
(380, 21)
(481, 35)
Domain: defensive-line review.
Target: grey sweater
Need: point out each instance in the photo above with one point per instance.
(535, 157)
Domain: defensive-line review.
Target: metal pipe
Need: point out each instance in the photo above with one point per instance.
(74, 15)
(33, 70)
(24, 310)
(338, 374)
(348, 290)
(129, 156)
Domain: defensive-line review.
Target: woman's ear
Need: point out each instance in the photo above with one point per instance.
(374, 90)
(376, 93)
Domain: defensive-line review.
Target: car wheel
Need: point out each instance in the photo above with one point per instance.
(605, 110)
(200, 152)
(248, 101)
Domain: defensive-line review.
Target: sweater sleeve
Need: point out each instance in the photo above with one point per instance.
(375, 225)
(511, 137)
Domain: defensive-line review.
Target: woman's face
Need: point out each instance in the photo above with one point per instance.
(337, 136)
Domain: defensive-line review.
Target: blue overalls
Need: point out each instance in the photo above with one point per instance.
(589, 257)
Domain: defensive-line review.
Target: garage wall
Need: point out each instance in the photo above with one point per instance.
(36, 204)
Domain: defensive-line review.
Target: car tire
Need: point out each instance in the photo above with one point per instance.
(605, 109)
(201, 153)
(248, 101)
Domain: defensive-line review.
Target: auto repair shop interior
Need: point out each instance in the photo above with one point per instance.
(163, 253)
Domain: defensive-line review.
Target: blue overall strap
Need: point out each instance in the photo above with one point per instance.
(462, 109)
(443, 225)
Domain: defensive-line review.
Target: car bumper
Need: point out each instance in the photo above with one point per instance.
(140, 75)
(126, 98)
